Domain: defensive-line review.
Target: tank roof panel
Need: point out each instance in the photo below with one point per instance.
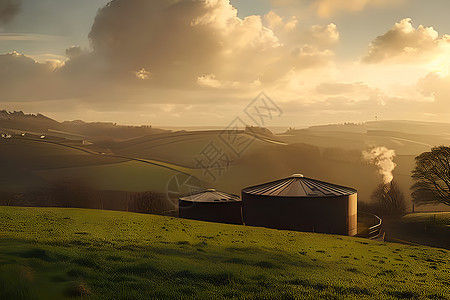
(299, 186)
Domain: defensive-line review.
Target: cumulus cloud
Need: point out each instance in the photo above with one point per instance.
(151, 53)
(287, 31)
(326, 36)
(8, 10)
(404, 43)
(203, 43)
(185, 44)
(21, 76)
(436, 87)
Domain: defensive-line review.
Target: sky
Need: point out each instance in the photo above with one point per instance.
(206, 62)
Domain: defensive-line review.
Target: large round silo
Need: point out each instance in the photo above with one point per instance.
(303, 204)
(212, 206)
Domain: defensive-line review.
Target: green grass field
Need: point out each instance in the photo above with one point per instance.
(432, 229)
(126, 176)
(439, 219)
(53, 253)
(27, 163)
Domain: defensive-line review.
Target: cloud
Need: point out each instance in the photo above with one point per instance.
(289, 33)
(339, 88)
(25, 37)
(328, 34)
(21, 76)
(195, 44)
(404, 43)
(73, 52)
(146, 54)
(330, 8)
(8, 10)
(436, 87)
(139, 47)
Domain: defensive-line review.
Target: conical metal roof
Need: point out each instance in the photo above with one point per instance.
(299, 186)
(211, 195)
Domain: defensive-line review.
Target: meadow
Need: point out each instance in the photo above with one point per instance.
(432, 229)
(57, 253)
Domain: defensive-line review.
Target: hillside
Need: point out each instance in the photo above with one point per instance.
(49, 161)
(55, 253)
(144, 159)
(17, 122)
(39, 172)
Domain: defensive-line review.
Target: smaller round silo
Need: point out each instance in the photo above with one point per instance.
(212, 206)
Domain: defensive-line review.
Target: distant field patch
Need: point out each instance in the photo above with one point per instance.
(125, 176)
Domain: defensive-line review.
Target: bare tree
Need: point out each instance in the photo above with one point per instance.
(389, 199)
(432, 175)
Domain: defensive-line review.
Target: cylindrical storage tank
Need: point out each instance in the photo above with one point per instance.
(302, 204)
(212, 206)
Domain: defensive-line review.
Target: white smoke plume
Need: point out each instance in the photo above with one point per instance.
(383, 158)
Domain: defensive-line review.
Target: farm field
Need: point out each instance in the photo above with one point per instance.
(432, 229)
(138, 159)
(54, 253)
(126, 176)
(27, 163)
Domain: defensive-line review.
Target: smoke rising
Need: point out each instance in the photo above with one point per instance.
(8, 10)
(383, 158)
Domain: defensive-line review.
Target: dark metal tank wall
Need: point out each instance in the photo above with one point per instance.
(221, 212)
(335, 215)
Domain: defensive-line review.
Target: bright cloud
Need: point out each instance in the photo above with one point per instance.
(164, 55)
(330, 8)
(192, 45)
(405, 44)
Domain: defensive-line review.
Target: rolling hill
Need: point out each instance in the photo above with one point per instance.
(142, 158)
(54, 253)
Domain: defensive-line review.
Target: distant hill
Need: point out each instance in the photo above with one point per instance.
(143, 158)
(17, 122)
(404, 126)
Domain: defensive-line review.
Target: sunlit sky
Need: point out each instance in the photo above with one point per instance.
(202, 62)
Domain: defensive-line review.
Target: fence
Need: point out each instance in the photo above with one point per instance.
(374, 225)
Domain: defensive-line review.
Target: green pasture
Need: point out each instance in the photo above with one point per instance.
(53, 253)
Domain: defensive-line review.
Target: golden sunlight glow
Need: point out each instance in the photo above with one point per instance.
(439, 67)
(143, 74)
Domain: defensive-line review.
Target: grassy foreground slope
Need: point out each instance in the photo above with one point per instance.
(51, 253)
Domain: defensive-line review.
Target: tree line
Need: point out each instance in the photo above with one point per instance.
(77, 194)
